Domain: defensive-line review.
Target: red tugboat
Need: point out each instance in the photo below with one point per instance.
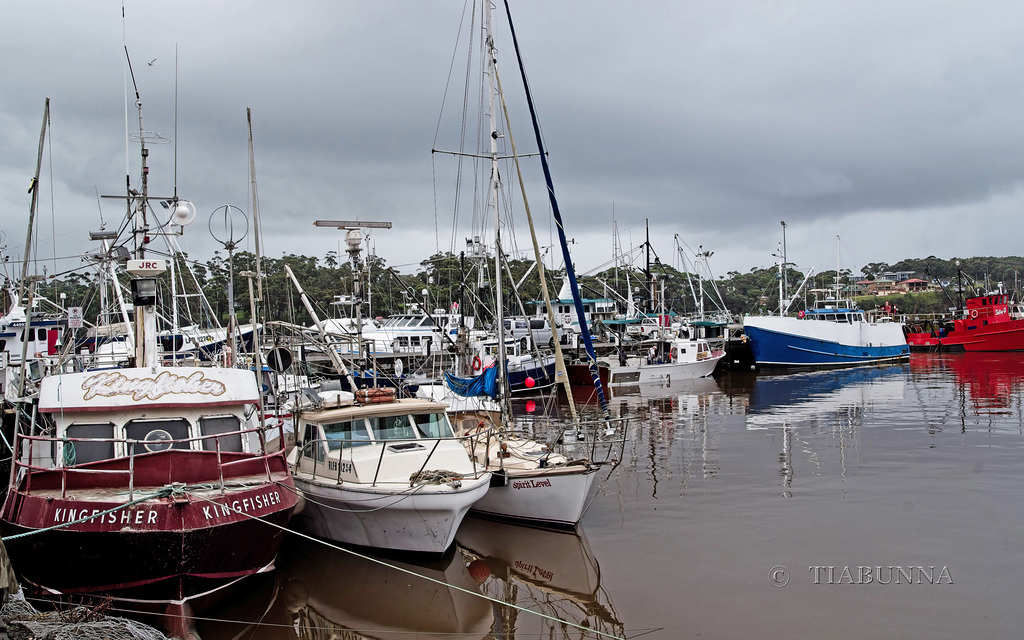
(986, 325)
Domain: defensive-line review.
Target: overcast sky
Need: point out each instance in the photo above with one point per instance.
(894, 125)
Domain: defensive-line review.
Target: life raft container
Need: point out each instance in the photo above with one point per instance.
(375, 395)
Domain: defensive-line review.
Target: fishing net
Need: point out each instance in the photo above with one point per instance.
(22, 621)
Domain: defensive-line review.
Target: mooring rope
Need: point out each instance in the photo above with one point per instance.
(427, 578)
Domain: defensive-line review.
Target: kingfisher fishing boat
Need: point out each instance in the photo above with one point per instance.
(384, 473)
(154, 485)
(151, 484)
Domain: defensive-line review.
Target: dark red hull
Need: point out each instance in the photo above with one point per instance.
(169, 549)
(579, 375)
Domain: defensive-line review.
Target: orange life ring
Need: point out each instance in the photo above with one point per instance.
(476, 363)
(974, 313)
(675, 353)
(800, 314)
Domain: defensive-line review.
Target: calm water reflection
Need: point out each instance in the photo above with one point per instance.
(902, 467)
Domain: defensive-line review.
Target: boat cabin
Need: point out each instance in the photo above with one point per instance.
(833, 310)
(384, 442)
(105, 415)
(675, 350)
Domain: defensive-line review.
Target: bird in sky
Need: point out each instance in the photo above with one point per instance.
(150, 63)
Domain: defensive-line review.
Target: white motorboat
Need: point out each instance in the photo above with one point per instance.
(384, 473)
(666, 359)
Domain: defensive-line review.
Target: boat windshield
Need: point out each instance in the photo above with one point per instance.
(432, 425)
(352, 433)
(392, 427)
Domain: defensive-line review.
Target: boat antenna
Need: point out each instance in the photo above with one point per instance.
(138, 103)
(175, 122)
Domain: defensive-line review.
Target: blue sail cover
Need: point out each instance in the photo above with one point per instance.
(485, 384)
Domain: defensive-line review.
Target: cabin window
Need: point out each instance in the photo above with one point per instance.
(432, 425)
(352, 433)
(830, 316)
(41, 335)
(157, 435)
(311, 442)
(213, 426)
(96, 443)
(392, 428)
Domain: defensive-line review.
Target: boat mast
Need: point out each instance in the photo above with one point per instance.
(570, 270)
(34, 189)
(495, 185)
(784, 284)
(145, 313)
(561, 374)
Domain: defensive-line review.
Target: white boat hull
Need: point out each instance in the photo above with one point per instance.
(553, 496)
(390, 516)
(647, 373)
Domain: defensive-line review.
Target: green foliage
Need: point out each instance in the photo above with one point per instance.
(448, 278)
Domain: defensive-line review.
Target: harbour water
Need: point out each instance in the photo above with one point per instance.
(879, 502)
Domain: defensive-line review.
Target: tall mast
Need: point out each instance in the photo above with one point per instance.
(570, 270)
(34, 189)
(561, 375)
(495, 185)
(785, 285)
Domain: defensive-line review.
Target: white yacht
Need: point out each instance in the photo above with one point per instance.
(384, 473)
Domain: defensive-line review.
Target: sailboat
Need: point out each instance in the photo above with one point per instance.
(532, 480)
(149, 484)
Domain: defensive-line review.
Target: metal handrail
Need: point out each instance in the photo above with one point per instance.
(65, 470)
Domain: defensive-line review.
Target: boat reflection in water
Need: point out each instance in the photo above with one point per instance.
(833, 401)
(321, 592)
(993, 381)
(325, 592)
(821, 397)
(549, 572)
(664, 388)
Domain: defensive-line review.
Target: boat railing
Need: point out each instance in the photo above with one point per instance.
(69, 467)
(599, 438)
(312, 449)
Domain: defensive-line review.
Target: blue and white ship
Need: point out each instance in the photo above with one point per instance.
(835, 333)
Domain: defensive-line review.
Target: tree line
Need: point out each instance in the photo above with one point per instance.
(445, 280)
